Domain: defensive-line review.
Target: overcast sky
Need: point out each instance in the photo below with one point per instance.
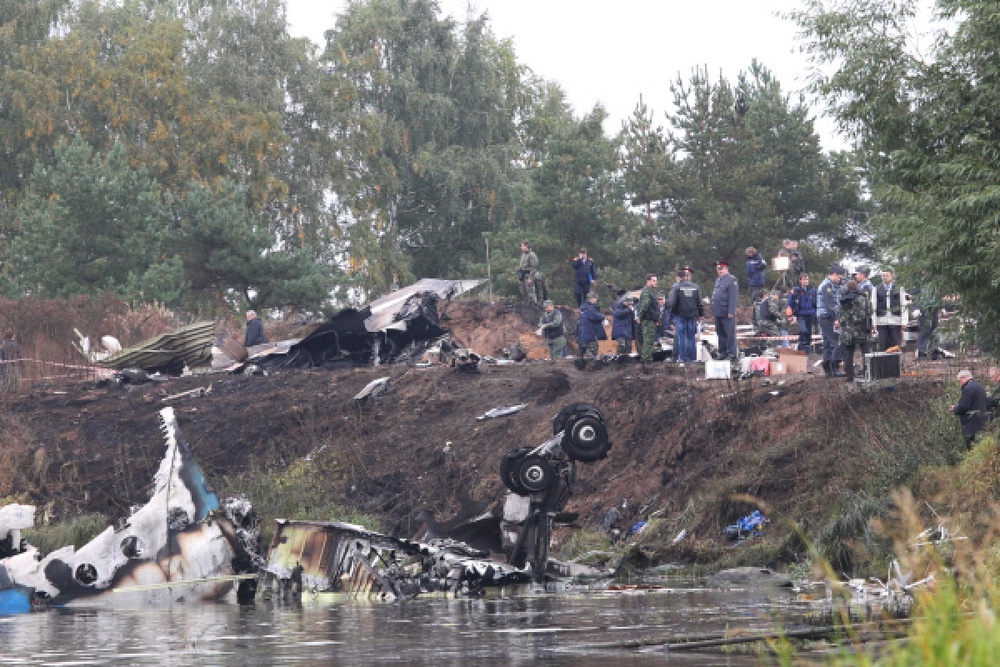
(611, 52)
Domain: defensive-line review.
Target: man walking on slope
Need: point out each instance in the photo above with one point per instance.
(972, 409)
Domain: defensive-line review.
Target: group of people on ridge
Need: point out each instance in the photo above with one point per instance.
(846, 312)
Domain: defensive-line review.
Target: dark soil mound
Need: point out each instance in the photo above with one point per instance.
(686, 451)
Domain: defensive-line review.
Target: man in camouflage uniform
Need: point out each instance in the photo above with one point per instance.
(855, 325)
(551, 327)
(770, 317)
(828, 313)
(649, 313)
(527, 272)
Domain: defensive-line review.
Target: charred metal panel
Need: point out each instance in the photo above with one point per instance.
(313, 557)
(189, 346)
(384, 329)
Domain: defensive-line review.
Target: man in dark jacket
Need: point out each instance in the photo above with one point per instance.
(725, 296)
(685, 308)
(972, 408)
(590, 327)
(255, 331)
(623, 326)
(802, 303)
(584, 273)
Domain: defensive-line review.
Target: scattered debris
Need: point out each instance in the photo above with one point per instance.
(138, 376)
(191, 393)
(110, 345)
(501, 412)
(465, 359)
(373, 389)
(751, 525)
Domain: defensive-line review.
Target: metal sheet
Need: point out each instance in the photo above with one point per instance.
(189, 346)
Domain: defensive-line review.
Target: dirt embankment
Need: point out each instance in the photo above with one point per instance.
(686, 450)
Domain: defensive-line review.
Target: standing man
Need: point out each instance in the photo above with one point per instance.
(770, 318)
(802, 304)
(755, 272)
(855, 325)
(255, 331)
(526, 273)
(550, 324)
(864, 285)
(889, 299)
(623, 326)
(828, 313)
(973, 409)
(647, 318)
(584, 273)
(725, 296)
(685, 308)
(590, 327)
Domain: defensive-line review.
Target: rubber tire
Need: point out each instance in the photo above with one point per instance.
(534, 474)
(586, 439)
(508, 470)
(560, 420)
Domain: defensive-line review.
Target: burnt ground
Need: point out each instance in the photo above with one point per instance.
(687, 451)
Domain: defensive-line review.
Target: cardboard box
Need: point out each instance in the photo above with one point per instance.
(778, 368)
(718, 370)
(794, 361)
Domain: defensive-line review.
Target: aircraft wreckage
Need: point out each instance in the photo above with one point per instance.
(186, 545)
(181, 545)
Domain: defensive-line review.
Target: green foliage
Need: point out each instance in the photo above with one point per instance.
(923, 119)
(225, 249)
(76, 532)
(752, 172)
(90, 224)
(848, 541)
(425, 120)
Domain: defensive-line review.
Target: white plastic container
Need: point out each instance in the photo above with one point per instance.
(717, 370)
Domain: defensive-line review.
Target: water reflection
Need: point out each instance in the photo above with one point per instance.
(556, 629)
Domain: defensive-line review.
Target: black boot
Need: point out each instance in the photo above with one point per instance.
(826, 368)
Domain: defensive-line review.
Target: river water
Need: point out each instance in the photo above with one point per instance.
(565, 628)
